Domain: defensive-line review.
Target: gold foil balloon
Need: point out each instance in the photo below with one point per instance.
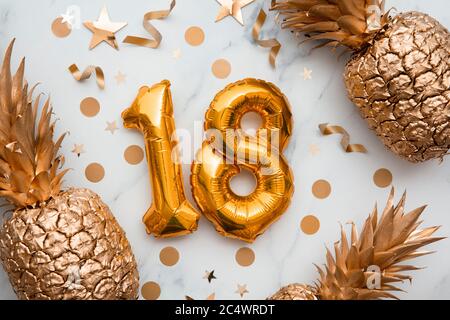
(152, 113)
(228, 149)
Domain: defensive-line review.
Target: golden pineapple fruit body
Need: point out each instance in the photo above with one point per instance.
(57, 244)
(70, 247)
(295, 291)
(399, 75)
(401, 85)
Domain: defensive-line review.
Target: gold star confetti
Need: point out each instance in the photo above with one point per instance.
(242, 289)
(111, 126)
(314, 149)
(78, 149)
(209, 275)
(104, 30)
(120, 77)
(307, 74)
(232, 8)
(176, 54)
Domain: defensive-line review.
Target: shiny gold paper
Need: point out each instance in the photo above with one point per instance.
(104, 30)
(326, 130)
(86, 74)
(244, 217)
(232, 8)
(273, 44)
(157, 37)
(152, 113)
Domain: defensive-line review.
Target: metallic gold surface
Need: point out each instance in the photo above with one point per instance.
(104, 30)
(401, 85)
(295, 291)
(57, 244)
(273, 44)
(70, 247)
(370, 264)
(326, 129)
(86, 74)
(157, 37)
(244, 217)
(152, 113)
(232, 8)
(399, 75)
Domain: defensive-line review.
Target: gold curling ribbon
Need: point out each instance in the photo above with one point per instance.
(157, 37)
(86, 74)
(326, 130)
(268, 43)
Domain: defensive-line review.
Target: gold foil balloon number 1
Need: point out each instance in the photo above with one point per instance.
(224, 153)
(152, 113)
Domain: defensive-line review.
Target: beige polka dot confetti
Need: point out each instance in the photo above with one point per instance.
(94, 172)
(89, 107)
(321, 189)
(310, 224)
(150, 291)
(169, 256)
(60, 29)
(133, 154)
(221, 68)
(245, 256)
(194, 36)
(382, 178)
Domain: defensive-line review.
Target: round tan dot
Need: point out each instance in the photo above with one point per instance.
(169, 256)
(382, 178)
(94, 172)
(194, 36)
(221, 68)
(60, 29)
(321, 189)
(245, 256)
(150, 291)
(133, 154)
(89, 107)
(310, 224)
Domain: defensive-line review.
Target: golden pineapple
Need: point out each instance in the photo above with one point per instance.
(57, 244)
(399, 75)
(370, 264)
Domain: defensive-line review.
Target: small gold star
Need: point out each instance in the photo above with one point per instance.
(307, 74)
(176, 54)
(111, 126)
(78, 149)
(120, 77)
(209, 275)
(242, 289)
(313, 149)
(232, 8)
(104, 30)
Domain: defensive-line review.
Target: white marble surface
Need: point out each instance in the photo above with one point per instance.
(283, 254)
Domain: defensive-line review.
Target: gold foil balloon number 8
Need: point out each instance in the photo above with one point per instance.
(226, 150)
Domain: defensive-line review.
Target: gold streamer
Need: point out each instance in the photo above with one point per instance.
(326, 130)
(268, 43)
(157, 37)
(86, 74)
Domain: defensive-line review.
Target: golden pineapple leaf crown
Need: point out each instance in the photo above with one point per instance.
(352, 23)
(377, 252)
(29, 159)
